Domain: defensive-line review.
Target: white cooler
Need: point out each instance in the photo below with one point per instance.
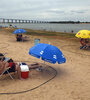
(24, 70)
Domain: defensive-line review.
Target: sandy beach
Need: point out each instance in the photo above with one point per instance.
(72, 81)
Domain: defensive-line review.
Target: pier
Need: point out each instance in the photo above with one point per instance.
(4, 20)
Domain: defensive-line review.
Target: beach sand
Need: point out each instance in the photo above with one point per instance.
(73, 77)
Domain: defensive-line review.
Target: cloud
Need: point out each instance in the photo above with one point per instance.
(78, 12)
(56, 11)
(45, 10)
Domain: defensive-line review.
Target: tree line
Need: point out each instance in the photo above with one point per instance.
(67, 22)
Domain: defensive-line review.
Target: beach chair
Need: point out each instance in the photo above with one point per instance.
(6, 71)
(10, 69)
(88, 47)
(25, 38)
(85, 47)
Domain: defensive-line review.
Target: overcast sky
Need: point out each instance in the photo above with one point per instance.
(47, 10)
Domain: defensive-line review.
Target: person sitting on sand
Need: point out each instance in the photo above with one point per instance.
(4, 64)
(83, 43)
(19, 37)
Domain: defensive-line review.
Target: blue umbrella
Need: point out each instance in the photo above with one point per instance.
(47, 53)
(19, 31)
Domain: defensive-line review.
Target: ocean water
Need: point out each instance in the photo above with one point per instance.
(50, 27)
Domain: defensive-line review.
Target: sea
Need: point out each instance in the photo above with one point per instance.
(50, 27)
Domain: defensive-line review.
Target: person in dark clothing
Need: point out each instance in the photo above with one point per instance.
(19, 37)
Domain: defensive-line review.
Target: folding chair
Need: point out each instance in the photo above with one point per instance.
(9, 69)
(6, 72)
(88, 47)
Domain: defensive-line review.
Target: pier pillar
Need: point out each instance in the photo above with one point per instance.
(15, 21)
(3, 21)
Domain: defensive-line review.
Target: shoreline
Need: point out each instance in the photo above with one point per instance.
(42, 32)
(68, 28)
(46, 34)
